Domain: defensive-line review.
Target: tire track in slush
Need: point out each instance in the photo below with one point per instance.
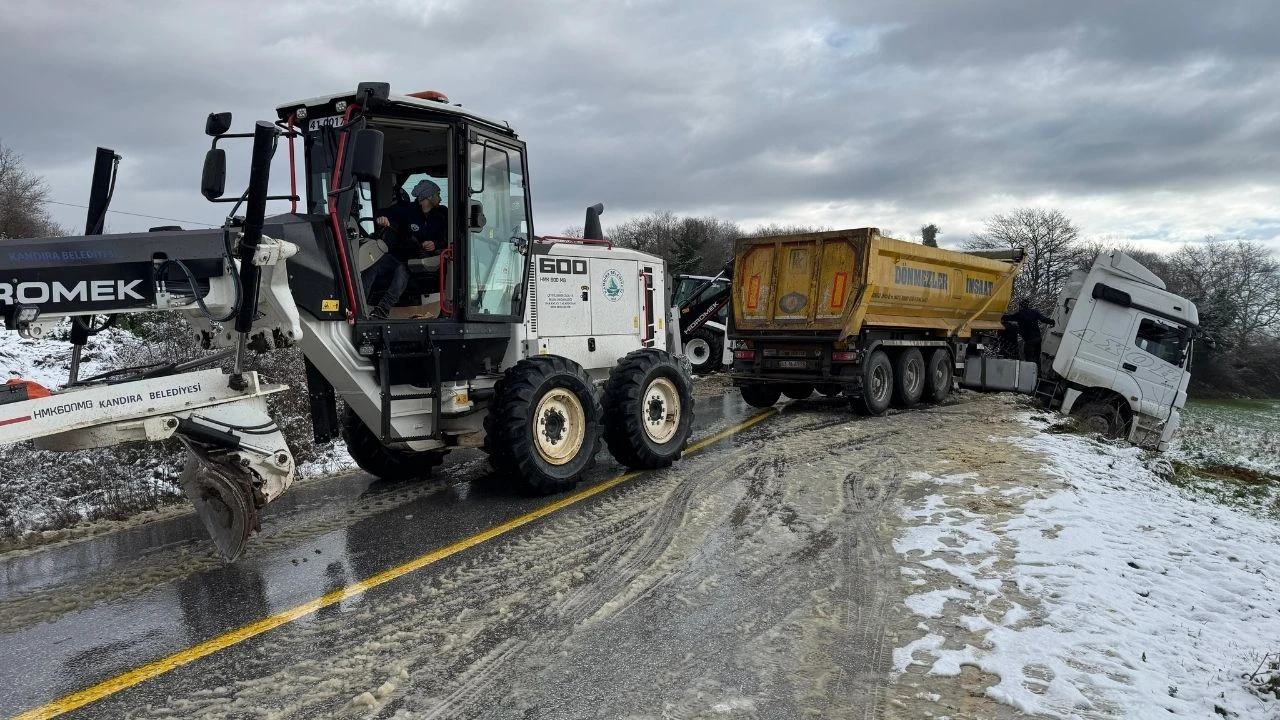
(750, 576)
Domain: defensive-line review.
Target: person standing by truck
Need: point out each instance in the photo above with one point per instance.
(1028, 320)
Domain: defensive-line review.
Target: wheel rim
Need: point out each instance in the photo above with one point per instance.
(661, 410)
(879, 381)
(698, 350)
(911, 378)
(1098, 423)
(939, 375)
(560, 426)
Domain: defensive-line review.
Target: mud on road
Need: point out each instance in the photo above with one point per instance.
(755, 579)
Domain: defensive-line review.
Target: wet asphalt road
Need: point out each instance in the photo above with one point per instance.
(74, 616)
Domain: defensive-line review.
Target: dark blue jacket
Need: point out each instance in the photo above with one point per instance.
(1028, 320)
(410, 227)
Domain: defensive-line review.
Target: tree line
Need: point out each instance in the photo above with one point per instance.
(1234, 283)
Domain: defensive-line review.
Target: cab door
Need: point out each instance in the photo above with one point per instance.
(1155, 359)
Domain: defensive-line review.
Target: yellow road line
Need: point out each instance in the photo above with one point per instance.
(159, 667)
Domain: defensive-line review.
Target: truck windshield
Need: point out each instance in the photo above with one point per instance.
(495, 261)
(1167, 342)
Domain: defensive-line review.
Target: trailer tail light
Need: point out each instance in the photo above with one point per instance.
(844, 356)
(744, 354)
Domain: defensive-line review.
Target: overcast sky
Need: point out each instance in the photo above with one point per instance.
(1152, 122)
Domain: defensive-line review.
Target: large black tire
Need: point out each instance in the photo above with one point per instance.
(761, 396)
(797, 391)
(543, 428)
(908, 378)
(377, 459)
(648, 409)
(877, 386)
(1103, 417)
(938, 376)
(705, 350)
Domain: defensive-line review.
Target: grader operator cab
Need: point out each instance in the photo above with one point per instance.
(535, 349)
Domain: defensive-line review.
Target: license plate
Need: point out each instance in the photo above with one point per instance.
(793, 364)
(331, 121)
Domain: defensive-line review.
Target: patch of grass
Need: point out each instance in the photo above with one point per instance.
(1265, 680)
(1231, 485)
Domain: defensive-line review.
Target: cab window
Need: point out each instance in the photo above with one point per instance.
(1167, 342)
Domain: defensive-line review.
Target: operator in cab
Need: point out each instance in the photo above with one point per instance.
(413, 229)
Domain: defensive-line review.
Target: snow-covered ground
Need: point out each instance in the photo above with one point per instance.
(1103, 592)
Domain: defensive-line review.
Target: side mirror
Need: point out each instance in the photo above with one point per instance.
(213, 181)
(372, 94)
(217, 124)
(477, 218)
(366, 155)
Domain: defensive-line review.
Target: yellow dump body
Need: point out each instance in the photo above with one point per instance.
(839, 283)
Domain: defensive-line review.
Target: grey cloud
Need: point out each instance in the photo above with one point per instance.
(744, 108)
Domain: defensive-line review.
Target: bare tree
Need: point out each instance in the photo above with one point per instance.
(23, 195)
(1052, 244)
(929, 235)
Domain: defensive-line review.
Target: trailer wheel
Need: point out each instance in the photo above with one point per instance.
(705, 351)
(877, 385)
(543, 428)
(797, 391)
(387, 463)
(908, 377)
(761, 396)
(937, 385)
(829, 389)
(648, 409)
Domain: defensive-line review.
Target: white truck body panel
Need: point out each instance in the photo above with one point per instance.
(1117, 328)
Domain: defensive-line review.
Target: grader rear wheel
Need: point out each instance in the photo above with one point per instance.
(543, 429)
(648, 403)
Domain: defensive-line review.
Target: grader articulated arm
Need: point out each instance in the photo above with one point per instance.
(237, 460)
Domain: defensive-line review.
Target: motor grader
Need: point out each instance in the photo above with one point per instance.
(536, 349)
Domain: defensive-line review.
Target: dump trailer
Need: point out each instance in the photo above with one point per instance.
(881, 320)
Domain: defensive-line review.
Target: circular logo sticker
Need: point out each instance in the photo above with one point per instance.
(792, 302)
(613, 285)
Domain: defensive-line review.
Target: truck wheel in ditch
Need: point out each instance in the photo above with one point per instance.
(543, 429)
(381, 461)
(797, 391)
(877, 385)
(761, 396)
(829, 390)
(648, 410)
(938, 371)
(908, 378)
(1102, 417)
(705, 351)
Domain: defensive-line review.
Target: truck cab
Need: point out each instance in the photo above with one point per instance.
(1119, 353)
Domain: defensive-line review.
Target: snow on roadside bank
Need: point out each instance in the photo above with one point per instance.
(1112, 594)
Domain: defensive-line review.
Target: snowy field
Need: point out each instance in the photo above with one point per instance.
(1104, 593)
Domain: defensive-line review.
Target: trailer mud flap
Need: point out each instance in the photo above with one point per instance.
(223, 499)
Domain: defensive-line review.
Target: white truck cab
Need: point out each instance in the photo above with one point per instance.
(1119, 353)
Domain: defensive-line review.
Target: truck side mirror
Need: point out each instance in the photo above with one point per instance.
(213, 181)
(217, 124)
(366, 155)
(476, 220)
